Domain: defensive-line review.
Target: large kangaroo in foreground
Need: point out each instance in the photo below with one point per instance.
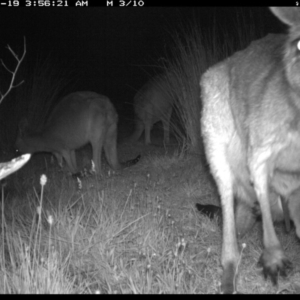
(78, 119)
(153, 103)
(251, 130)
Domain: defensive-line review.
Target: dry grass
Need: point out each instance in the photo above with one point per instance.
(193, 50)
(134, 231)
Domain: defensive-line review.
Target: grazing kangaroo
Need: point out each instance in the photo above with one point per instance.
(251, 129)
(153, 103)
(78, 119)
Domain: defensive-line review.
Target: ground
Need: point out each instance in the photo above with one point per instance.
(131, 231)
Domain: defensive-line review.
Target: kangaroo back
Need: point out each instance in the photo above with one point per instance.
(78, 119)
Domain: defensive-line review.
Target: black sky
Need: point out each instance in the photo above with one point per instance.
(108, 50)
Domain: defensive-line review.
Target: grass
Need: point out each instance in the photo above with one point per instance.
(114, 240)
(134, 231)
(193, 50)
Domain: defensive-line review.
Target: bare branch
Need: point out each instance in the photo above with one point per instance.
(6, 68)
(19, 61)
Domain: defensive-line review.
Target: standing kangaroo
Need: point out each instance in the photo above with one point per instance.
(153, 103)
(78, 119)
(251, 130)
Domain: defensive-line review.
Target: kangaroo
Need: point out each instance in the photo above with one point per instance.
(153, 103)
(251, 130)
(78, 119)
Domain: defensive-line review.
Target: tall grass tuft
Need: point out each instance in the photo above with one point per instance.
(193, 50)
(30, 260)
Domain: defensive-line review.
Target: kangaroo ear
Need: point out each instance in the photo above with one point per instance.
(288, 15)
(23, 126)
